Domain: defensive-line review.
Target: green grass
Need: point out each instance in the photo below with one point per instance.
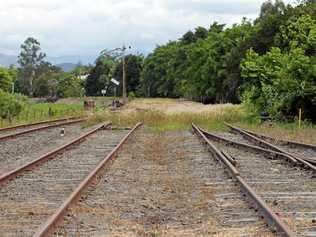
(100, 101)
(40, 111)
(160, 121)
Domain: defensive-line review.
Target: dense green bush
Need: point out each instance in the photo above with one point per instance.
(10, 105)
(281, 83)
(283, 80)
(69, 85)
(7, 78)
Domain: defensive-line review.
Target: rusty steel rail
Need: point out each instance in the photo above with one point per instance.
(268, 145)
(35, 163)
(285, 142)
(267, 152)
(272, 219)
(34, 124)
(57, 217)
(10, 136)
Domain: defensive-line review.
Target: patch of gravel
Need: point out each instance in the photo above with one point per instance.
(28, 201)
(297, 150)
(163, 184)
(18, 151)
(232, 136)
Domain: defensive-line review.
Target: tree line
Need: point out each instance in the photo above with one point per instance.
(268, 64)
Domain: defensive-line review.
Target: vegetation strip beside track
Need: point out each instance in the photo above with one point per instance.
(270, 153)
(272, 219)
(268, 145)
(286, 142)
(48, 227)
(10, 136)
(18, 171)
(38, 123)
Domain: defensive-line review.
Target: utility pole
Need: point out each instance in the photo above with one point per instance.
(124, 79)
(12, 88)
(124, 76)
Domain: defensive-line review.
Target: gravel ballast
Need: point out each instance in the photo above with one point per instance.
(164, 184)
(23, 149)
(29, 200)
(290, 191)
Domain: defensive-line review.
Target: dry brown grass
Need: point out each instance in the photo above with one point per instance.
(163, 118)
(175, 106)
(174, 115)
(306, 134)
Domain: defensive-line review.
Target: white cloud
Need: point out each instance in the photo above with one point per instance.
(86, 27)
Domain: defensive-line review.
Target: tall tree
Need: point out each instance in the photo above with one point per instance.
(158, 77)
(188, 38)
(267, 25)
(100, 75)
(45, 82)
(133, 67)
(7, 78)
(29, 60)
(200, 33)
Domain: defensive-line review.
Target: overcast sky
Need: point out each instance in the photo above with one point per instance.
(83, 27)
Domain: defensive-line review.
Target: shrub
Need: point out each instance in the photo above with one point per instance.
(10, 105)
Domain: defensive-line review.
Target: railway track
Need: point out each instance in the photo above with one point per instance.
(26, 148)
(168, 186)
(20, 130)
(29, 125)
(289, 191)
(299, 151)
(16, 167)
(29, 199)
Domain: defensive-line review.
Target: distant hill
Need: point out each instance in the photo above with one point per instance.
(67, 63)
(67, 67)
(7, 60)
(74, 59)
